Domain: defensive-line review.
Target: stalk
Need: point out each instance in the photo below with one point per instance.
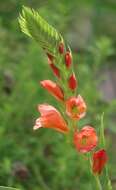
(97, 180)
(99, 187)
(103, 144)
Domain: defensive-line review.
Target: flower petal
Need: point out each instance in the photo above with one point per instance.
(37, 124)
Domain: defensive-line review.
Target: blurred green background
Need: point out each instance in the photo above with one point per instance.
(41, 160)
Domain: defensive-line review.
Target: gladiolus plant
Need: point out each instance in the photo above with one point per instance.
(85, 139)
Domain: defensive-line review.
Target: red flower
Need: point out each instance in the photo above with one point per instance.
(76, 107)
(50, 118)
(72, 82)
(53, 88)
(55, 70)
(61, 48)
(99, 160)
(68, 59)
(86, 139)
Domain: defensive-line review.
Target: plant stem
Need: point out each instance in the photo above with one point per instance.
(102, 142)
(40, 179)
(99, 187)
(102, 138)
(109, 186)
(98, 184)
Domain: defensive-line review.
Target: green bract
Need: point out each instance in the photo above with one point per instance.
(33, 25)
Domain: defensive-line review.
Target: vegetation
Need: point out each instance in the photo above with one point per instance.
(40, 161)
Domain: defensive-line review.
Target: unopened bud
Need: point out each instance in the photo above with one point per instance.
(55, 70)
(50, 57)
(61, 48)
(68, 59)
(72, 82)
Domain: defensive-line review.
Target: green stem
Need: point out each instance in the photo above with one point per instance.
(102, 143)
(99, 187)
(98, 183)
(109, 185)
(102, 138)
(40, 179)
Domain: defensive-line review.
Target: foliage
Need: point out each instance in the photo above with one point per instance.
(31, 22)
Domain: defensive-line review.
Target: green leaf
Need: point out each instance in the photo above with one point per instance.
(33, 25)
(7, 188)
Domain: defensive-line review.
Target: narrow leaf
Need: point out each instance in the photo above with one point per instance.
(7, 188)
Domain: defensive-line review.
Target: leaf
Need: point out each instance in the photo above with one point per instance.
(33, 25)
(7, 188)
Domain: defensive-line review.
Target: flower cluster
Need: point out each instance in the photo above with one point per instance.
(74, 108)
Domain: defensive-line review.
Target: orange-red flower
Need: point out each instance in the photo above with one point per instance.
(72, 82)
(53, 88)
(50, 118)
(76, 107)
(86, 139)
(100, 158)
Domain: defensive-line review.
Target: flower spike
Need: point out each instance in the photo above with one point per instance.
(73, 107)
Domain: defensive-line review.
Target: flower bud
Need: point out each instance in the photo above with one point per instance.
(61, 48)
(53, 89)
(100, 159)
(50, 57)
(55, 70)
(72, 82)
(68, 59)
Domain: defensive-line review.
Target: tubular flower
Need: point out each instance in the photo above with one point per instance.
(68, 59)
(86, 139)
(55, 70)
(99, 160)
(50, 118)
(76, 107)
(53, 88)
(72, 82)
